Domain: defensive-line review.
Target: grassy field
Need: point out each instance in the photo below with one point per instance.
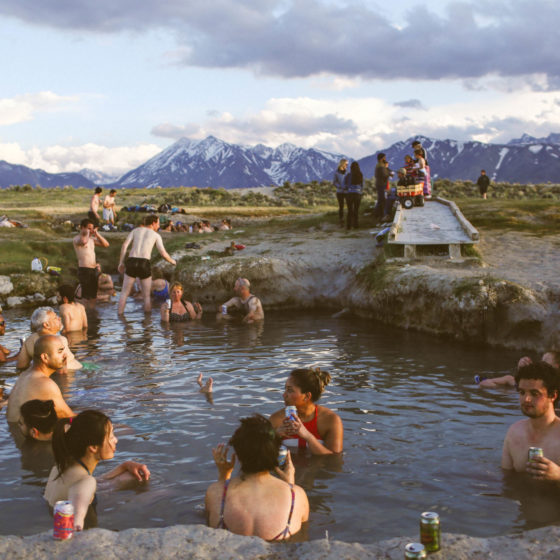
(48, 212)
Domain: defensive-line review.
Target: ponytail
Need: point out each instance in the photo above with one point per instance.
(311, 380)
(72, 436)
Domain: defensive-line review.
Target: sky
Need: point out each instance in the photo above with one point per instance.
(106, 85)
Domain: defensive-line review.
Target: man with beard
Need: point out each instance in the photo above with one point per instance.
(49, 355)
(538, 386)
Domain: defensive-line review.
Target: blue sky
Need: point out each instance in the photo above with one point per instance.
(108, 84)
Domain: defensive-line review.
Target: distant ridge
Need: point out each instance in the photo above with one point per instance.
(212, 162)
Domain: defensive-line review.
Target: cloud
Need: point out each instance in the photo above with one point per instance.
(346, 38)
(410, 104)
(23, 108)
(58, 159)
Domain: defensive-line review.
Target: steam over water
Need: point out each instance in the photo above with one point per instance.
(419, 435)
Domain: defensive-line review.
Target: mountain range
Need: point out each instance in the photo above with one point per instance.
(214, 163)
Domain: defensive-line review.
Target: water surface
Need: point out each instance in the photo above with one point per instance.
(418, 434)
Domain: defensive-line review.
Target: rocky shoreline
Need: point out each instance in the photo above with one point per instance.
(198, 542)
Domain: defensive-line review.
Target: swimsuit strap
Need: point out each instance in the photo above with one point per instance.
(83, 465)
(286, 532)
(221, 523)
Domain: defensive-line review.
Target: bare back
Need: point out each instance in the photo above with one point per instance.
(143, 241)
(73, 316)
(33, 384)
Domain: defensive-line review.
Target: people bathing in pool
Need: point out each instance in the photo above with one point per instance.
(255, 503)
(551, 358)
(37, 419)
(315, 426)
(79, 444)
(176, 309)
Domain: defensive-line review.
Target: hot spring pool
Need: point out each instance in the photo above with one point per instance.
(419, 435)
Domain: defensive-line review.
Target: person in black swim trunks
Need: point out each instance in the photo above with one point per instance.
(79, 444)
(176, 309)
(143, 240)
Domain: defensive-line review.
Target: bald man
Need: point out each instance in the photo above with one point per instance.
(49, 355)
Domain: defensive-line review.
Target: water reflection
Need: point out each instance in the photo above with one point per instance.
(418, 434)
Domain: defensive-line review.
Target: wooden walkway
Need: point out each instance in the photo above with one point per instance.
(438, 222)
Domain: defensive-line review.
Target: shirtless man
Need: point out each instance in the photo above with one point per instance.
(84, 245)
(143, 239)
(4, 352)
(93, 213)
(73, 314)
(109, 212)
(538, 388)
(249, 304)
(37, 419)
(44, 321)
(552, 358)
(49, 355)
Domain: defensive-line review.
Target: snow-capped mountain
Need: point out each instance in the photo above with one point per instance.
(98, 177)
(525, 160)
(214, 163)
(11, 174)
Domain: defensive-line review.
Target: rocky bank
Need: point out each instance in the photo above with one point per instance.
(201, 543)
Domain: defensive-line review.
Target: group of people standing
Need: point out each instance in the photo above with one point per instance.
(349, 183)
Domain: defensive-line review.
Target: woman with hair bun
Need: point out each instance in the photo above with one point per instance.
(315, 426)
(255, 502)
(79, 444)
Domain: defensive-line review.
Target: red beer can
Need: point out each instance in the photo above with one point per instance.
(63, 520)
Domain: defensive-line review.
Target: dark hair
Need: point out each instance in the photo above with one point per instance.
(311, 380)
(356, 177)
(112, 191)
(543, 371)
(90, 427)
(67, 291)
(39, 414)
(483, 170)
(85, 222)
(151, 219)
(256, 444)
(416, 143)
(98, 190)
(380, 156)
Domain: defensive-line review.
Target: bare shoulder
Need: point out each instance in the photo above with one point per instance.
(277, 417)
(518, 429)
(327, 415)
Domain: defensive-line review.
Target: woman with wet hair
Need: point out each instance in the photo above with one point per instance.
(315, 426)
(177, 309)
(79, 444)
(255, 503)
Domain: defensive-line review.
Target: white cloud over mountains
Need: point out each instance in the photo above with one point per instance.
(302, 38)
(24, 107)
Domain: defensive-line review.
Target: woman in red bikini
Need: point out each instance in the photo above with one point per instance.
(315, 426)
(255, 503)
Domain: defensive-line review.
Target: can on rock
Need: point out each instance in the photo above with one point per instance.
(430, 531)
(63, 520)
(414, 550)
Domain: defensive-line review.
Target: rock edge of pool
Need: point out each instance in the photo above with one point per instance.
(201, 542)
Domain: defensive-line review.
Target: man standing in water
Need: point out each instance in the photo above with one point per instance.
(249, 305)
(49, 355)
(84, 245)
(538, 387)
(137, 265)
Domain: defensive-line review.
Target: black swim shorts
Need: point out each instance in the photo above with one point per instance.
(88, 280)
(137, 268)
(93, 218)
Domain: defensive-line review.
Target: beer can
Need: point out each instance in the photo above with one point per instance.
(430, 531)
(63, 528)
(224, 309)
(282, 455)
(535, 452)
(291, 412)
(415, 550)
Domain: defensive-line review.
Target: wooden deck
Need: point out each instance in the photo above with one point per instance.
(438, 222)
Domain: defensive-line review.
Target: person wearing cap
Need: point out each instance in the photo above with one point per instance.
(248, 304)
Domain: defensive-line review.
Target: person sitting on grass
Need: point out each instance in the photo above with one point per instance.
(551, 358)
(255, 503)
(79, 444)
